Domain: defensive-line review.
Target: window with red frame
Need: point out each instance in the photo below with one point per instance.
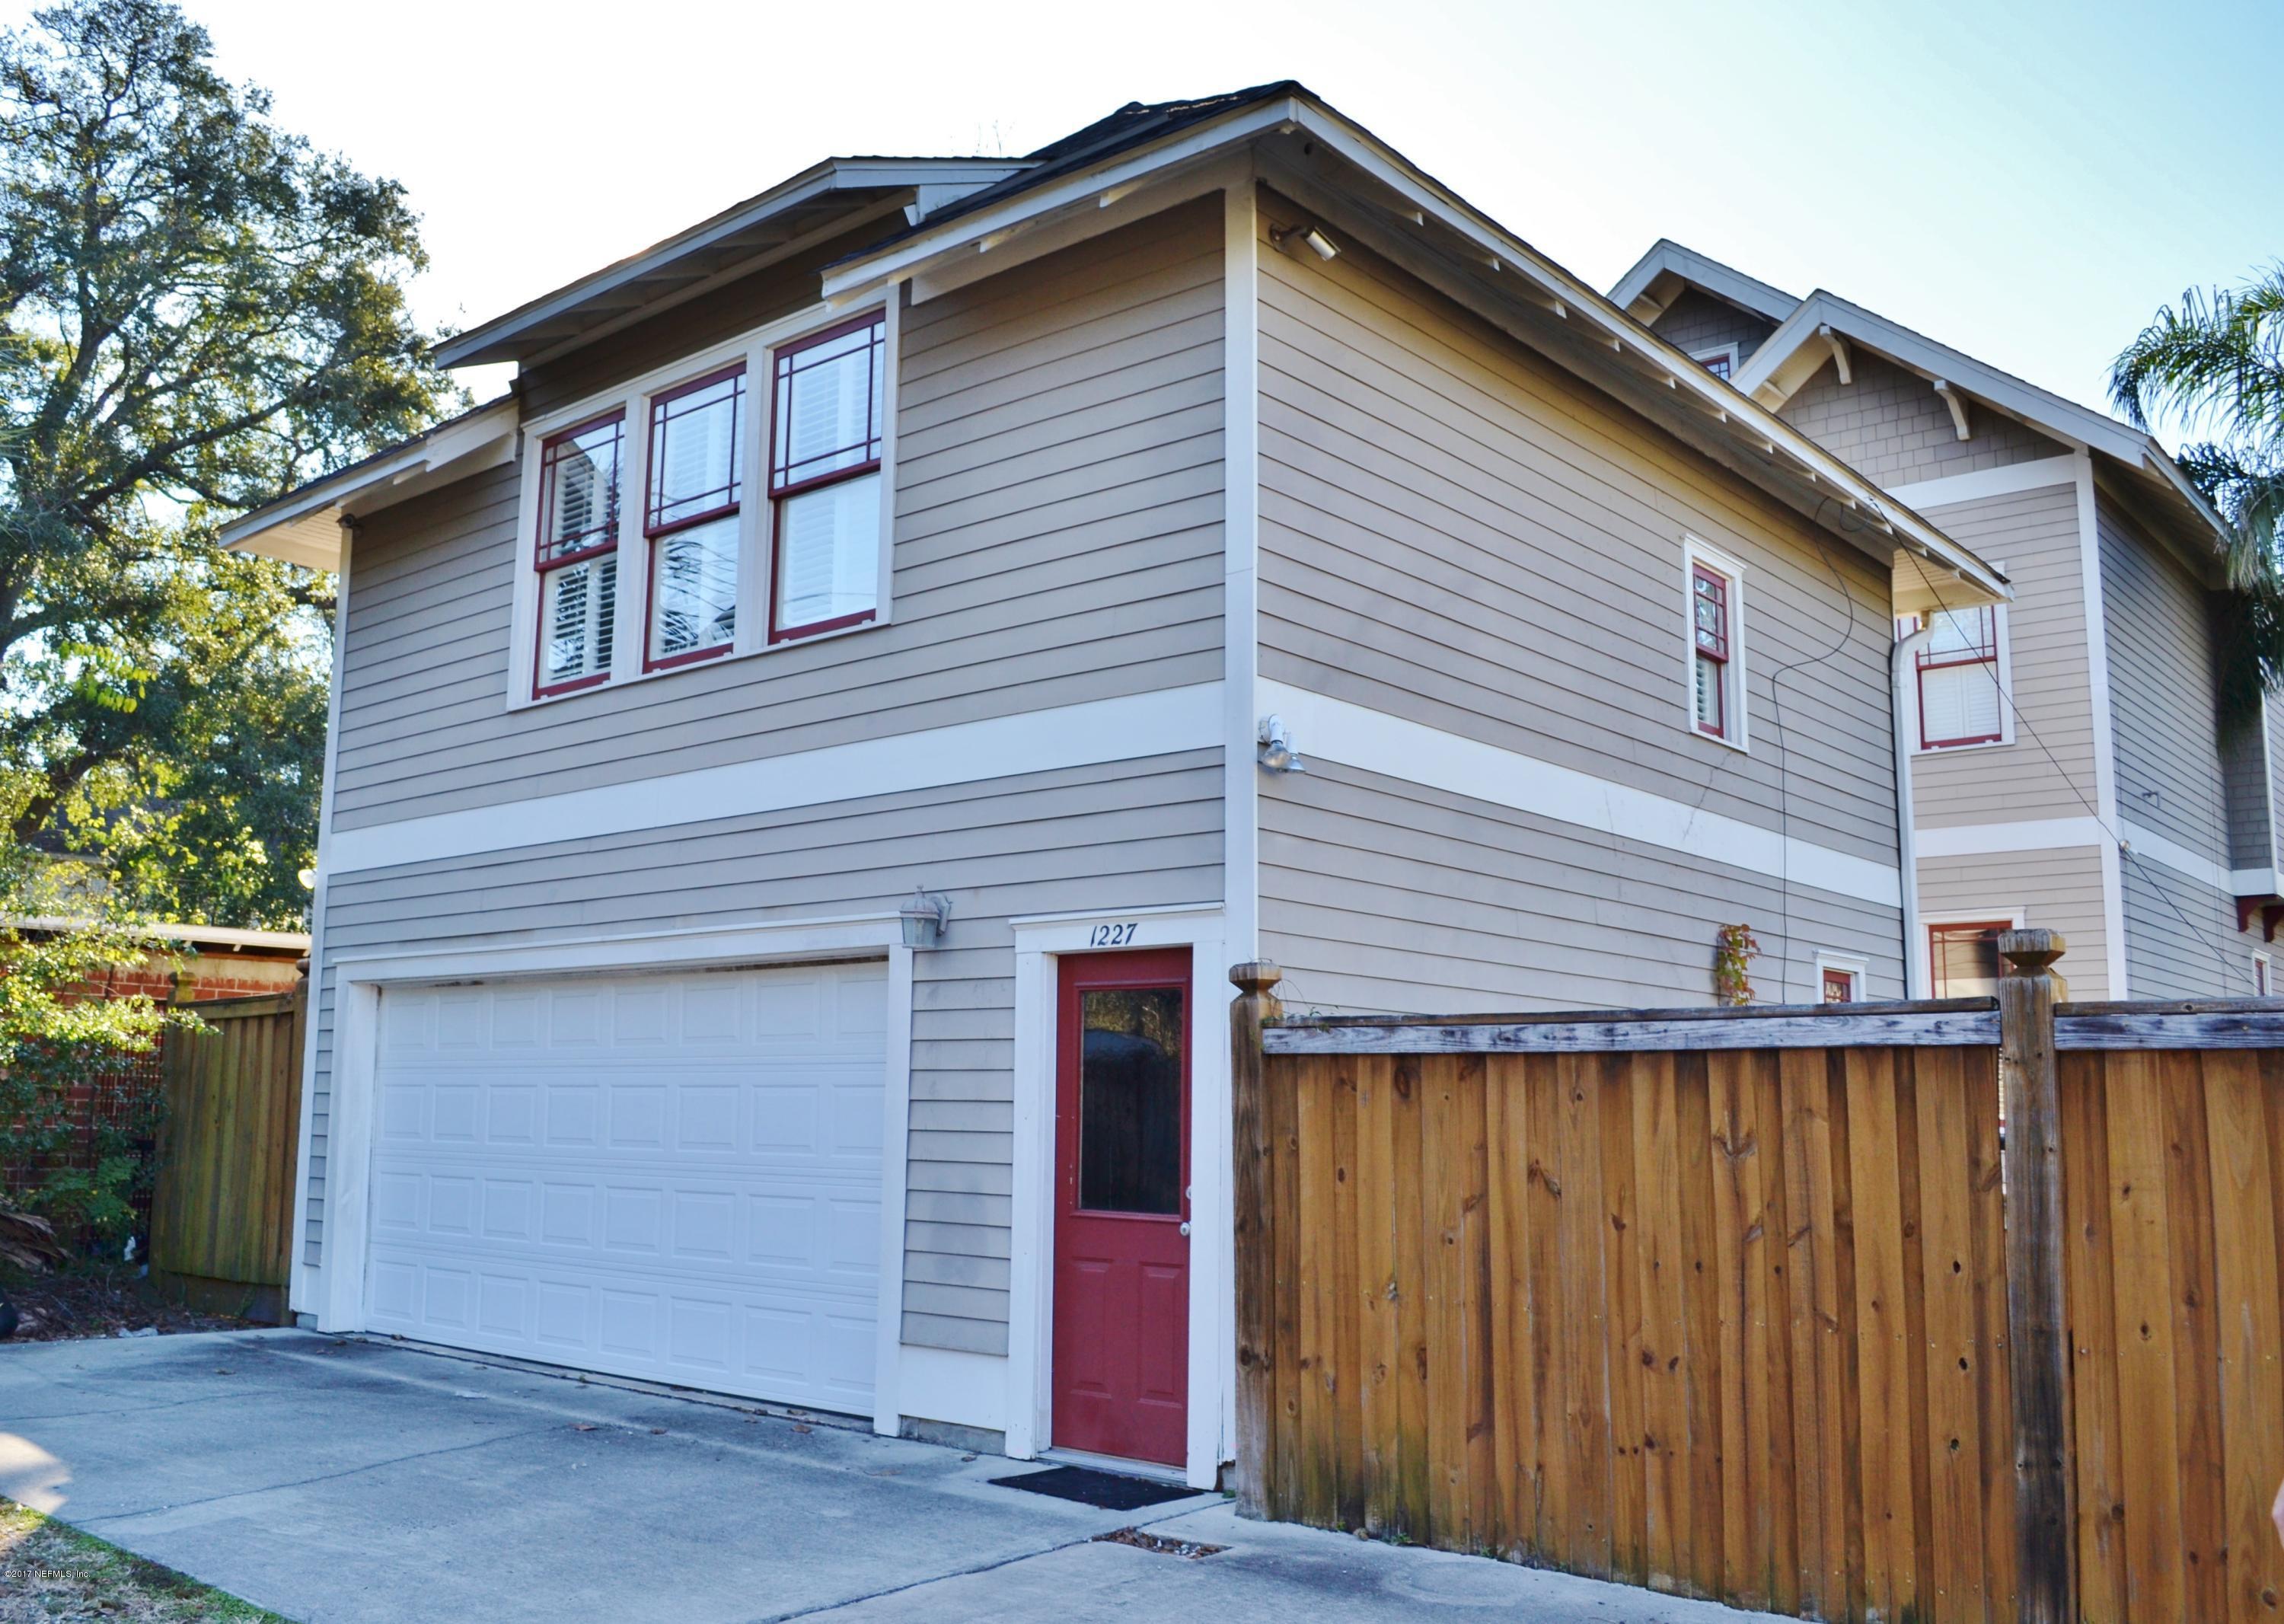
(577, 558)
(826, 398)
(1719, 363)
(1960, 702)
(691, 517)
(1709, 614)
(1839, 985)
(1963, 959)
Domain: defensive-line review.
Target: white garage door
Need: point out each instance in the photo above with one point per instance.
(673, 1177)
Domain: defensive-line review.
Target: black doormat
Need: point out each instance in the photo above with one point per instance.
(1105, 1490)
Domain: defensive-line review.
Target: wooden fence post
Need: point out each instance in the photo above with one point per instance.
(1256, 1257)
(2038, 1339)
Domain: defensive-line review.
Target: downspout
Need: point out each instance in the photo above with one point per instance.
(1905, 722)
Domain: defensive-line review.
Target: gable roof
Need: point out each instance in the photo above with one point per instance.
(1799, 349)
(1300, 144)
(1644, 292)
(1134, 159)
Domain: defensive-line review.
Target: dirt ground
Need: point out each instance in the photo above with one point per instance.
(60, 1307)
(53, 1575)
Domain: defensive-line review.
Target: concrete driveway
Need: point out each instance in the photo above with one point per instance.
(342, 1482)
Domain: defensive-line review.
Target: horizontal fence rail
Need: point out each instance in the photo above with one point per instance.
(1763, 1306)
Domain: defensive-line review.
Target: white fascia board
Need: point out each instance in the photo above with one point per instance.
(1667, 256)
(304, 528)
(861, 278)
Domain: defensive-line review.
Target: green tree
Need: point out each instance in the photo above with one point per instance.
(198, 312)
(2214, 362)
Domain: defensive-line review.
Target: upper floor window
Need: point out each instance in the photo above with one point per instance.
(707, 572)
(1962, 700)
(825, 479)
(1722, 363)
(691, 518)
(1716, 646)
(578, 558)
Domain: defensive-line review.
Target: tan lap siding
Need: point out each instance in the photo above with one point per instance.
(1380, 895)
(1058, 540)
(2057, 890)
(1140, 833)
(2047, 771)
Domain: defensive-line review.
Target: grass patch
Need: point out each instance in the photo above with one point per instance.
(50, 1572)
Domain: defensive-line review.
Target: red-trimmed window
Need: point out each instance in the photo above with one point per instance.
(826, 398)
(1959, 698)
(1839, 985)
(2260, 975)
(578, 555)
(691, 518)
(1708, 631)
(1719, 363)
(1963, 959)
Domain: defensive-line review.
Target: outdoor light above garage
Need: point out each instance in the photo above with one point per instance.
(926, 915)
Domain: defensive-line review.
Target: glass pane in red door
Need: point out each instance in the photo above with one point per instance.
(1131, 1101)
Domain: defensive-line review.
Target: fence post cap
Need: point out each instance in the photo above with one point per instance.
(2026, 951)
(1256, 975)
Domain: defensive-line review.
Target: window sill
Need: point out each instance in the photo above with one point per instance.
(709, 662)
(1740, 745)
(1980, 743)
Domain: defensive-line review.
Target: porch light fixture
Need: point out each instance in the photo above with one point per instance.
(1309, 237)
(926, 915)
(1278, 751)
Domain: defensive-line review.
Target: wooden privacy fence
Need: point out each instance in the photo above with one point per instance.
(1753, 1305)
(221, 1216)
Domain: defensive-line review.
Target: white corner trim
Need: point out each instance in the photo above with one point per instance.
(1336, 731)
(2147, 843)
(1161, 722)
(302, 1280)
(1986, 482)
(1240, 562)
(1039, 945)
(2105, 737)
(1737, 696)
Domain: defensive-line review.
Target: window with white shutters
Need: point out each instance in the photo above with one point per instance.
(577, 555)
(825, 479)
(1960, 699)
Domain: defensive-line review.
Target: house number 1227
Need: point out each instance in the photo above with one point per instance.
(1112, 935)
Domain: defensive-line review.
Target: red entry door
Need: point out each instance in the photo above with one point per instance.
(1122, 1343)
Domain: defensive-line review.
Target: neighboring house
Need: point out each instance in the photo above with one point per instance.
(2071, 767)
(999, 529)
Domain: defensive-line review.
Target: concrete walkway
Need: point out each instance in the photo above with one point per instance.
(347, 1482)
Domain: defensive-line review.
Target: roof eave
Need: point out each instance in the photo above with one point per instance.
(1710, 276)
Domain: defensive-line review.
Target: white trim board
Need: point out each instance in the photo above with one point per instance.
(2030, 835)
(2040, 474)
(2169, 854)
(1376, 742)
(1240, 561)
(1163, 722)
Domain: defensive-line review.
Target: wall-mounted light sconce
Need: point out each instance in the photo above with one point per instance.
(1277, 751)
(926, 915)
(1309, 237)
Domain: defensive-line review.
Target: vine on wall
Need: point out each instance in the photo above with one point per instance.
(1733, 954)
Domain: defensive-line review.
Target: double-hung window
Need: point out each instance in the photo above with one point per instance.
(1963, 958)
(825, 479)
(578, 554)
(691, 518)
(1710, 593)
(1960, 697)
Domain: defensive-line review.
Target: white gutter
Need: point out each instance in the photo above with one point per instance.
(1905, 719)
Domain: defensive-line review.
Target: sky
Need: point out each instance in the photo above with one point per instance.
(2025, 180)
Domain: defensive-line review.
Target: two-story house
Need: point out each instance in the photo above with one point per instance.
(804, 761)
(2072, 765)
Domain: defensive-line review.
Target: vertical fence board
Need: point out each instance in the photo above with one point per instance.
(1411, 1497)
(1347, 1373)
(2251, 1331)
(1485, 1531)
(1890, 1563)
(1314, 1239)
(1379, 1341)
(2089, 1233)
(1440, 1189)
(1586, 1401)
(1701, 1352)
(1813, 1309)
(1622, 1289)
(1952, 1358)
(1995, 1393)
(2196, 1351)
(1507, 1175)
(2149, 1434)
(1665, 1281)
